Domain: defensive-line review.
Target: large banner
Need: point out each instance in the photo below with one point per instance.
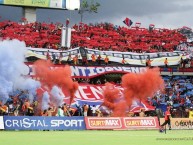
(180, 123)
(78, 71)
(139, 59)
(91, 71)
(43, 123)
(93, 95)
(1, 122)
(121, 123)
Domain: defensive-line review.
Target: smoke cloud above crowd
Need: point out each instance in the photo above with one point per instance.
(13, 76)
(135, 86)
(13, 69)
(58, 81)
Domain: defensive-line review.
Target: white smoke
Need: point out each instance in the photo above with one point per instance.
(45, 101)
(58, 96)
(12, 69)
(5, 87)
(30, 85)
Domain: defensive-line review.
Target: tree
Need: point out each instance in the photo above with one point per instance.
(88, 7)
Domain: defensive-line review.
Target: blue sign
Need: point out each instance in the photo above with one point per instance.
(43, 123)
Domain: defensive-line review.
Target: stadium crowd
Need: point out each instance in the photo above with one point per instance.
(20, 103)
(178, 94)
(102, 36)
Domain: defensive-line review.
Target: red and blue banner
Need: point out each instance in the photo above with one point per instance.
(93, 96)
(93, 71)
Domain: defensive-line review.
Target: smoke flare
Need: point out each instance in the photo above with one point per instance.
(55, 78)
(139, 86)
(13, 69)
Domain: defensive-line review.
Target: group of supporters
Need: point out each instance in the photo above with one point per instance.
(107, 36)
(178, 95)
(77, 110)
(177, 98)
(103, 36)
(98, 60)
(95, 60)
(21, 105)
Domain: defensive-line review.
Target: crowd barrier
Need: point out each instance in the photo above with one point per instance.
(77, 123)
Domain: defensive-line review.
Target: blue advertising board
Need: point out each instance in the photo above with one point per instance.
(43, 123)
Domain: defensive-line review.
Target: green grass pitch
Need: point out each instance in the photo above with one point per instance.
(89, 137)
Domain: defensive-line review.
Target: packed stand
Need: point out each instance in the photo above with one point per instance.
(103, 36)
(106, 36)
(178, 94)
(21, 103)
(36, 35)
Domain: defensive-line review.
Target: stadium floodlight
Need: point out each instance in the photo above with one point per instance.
(72, 4)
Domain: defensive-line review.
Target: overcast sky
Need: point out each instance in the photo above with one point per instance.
(162, 13)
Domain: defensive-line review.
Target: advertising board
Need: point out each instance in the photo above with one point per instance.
(180, 123)
(121, 123)
(43, 123)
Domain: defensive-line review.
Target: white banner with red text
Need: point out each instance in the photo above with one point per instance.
(121, 123)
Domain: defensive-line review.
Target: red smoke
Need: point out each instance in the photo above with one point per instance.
(50, 76)
(140, 86)
(111, 94)
(112, 100)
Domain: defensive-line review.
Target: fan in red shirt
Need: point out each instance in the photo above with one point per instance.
(167, 119)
